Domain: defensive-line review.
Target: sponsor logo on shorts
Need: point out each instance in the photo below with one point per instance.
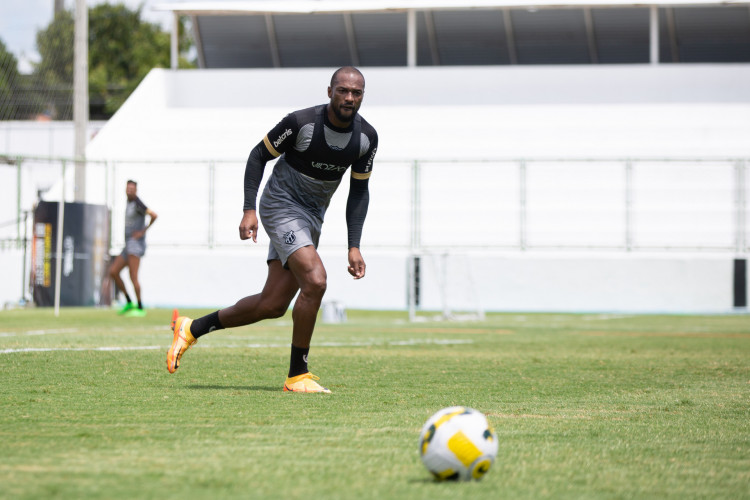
(290, 237)
(327, 166)
(281, 138)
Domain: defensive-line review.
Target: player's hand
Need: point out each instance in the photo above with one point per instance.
(356, 263)
(249, 226)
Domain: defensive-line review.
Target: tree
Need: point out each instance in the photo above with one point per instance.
(17, 95)
(9, 79)
(122, 50)
(53, 75)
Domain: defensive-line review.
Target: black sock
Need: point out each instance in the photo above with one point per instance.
(298, 361)
(206, 324)
(127, 297)
(140, 305)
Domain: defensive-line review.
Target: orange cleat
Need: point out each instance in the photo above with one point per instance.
(304, 383)
(181, 342)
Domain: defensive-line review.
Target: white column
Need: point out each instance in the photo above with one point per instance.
(411, 38)
(654, 35)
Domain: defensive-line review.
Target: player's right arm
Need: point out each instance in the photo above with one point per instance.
(273, 145)
(276, 142)
(249, 226)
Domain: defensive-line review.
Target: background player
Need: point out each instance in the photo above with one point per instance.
(135, 248)
(315, 147)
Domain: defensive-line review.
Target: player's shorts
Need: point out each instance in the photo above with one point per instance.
(134, 247)
(288, 230)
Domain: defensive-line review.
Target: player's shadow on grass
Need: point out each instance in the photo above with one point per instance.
(249, 388)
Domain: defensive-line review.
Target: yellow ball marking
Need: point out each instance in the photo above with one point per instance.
(463, 448)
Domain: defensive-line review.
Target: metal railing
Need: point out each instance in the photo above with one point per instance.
(624, 204)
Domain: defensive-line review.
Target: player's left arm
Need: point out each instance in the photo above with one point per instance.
(356, 211)
(357, 205)
(152, 218)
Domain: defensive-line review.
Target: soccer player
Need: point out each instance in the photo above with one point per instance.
(315, 147)
(135, 248)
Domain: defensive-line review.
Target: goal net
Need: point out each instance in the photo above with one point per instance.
(441, 287)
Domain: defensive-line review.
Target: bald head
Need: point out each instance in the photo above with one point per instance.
(346, 70)
(346, 92)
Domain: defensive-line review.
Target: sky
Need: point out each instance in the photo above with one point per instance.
(21, 19)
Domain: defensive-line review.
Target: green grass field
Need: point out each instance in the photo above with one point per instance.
(585, 406)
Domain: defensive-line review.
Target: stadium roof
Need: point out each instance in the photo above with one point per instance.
(332, 33)
(331, 6)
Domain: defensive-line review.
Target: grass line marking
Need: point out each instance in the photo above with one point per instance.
(57, 331)
(407, 342)
(665, 334)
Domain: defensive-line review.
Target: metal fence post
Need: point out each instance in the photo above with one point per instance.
(25, 256)
(18, 200)
(114, 205)
(522, 202)
(58, 251)
(211, 203)
(416, 213)
(414, 240)
(628, 205)
(740, 202)
(106, 184)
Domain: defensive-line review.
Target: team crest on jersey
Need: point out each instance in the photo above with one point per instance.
(290, 237)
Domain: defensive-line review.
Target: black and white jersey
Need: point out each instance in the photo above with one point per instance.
(313, 156)
(315, 147)
(135, 217)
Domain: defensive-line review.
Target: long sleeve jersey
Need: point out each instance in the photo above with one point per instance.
(313, 156)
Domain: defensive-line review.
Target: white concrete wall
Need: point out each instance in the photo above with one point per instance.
(511, 281)
(449, 113)
(497, 281)
(12, 282)
(41, 139)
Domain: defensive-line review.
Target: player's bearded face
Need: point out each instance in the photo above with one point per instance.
(346, 96)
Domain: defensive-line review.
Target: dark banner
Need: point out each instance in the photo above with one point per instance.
(85, 254)
(740, 283)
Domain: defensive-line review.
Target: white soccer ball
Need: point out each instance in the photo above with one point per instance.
(457, 443)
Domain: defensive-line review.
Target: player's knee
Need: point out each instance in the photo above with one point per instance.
(316, 286)
(273, 310)
(278, 311)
